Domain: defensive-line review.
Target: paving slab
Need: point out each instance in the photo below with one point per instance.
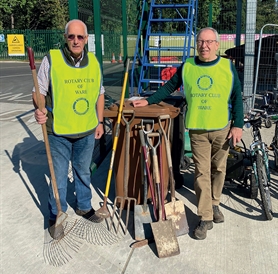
(244, 243)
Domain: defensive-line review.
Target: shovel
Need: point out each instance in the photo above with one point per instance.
(175, 209)
(163, 231)
(142, 214)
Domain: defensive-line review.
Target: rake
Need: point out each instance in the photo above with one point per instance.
(58, 229)
(67, 231)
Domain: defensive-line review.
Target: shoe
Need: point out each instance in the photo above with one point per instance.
(218, 216)
(200, 232)
(89, 215)
(56, 232)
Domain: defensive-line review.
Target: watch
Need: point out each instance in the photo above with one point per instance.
(101, 122)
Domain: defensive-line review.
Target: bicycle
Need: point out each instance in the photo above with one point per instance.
(259, 162)
(266, 110)
(274, 145)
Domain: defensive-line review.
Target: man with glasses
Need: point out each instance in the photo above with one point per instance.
(70, 83)
(214, 115)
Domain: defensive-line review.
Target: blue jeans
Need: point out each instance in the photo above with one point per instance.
(80, 153)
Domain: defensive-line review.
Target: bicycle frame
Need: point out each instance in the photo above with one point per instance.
(258, 146)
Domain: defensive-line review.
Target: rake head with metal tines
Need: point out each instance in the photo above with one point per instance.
(122, 200)
(95, 232)
(60, 250)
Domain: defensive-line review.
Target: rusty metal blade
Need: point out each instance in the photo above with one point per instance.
(175, 211)
(165, 239)
(142, 222)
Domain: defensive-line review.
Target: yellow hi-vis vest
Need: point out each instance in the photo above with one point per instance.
(75, 92)
(207, 91)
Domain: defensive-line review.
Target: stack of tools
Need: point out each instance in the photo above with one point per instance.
(142, 176)
(155, 220)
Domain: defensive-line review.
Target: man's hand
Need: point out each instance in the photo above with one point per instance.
(40, 116)
(236, 134)
(99, 131)
(140, 103)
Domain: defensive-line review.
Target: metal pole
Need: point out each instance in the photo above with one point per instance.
(210, 14)
(238, 27)
(97, 28)
(249, 54)
(124, 28)
(73, 9)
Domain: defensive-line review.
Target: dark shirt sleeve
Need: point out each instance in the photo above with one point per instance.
(171, 86)
(236, 102)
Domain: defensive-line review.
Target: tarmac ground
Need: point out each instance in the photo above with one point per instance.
(245, 243)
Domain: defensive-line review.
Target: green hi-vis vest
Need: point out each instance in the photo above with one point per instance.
(75, 92)
(207, 91)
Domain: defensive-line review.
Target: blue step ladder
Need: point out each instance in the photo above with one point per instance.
(169, 38)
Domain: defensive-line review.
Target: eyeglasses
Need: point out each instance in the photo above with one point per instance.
(207, 42)
(71, 37)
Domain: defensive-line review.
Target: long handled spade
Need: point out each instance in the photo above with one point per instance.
(163, 231)
(60, 223)
(147, 126)
(142, 214)
(103, 211)
(175, 209)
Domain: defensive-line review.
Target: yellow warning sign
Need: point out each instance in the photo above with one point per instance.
(16, 45)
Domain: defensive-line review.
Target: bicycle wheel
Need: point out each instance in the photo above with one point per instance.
(250, 182)
(264, 187)
(267, 123)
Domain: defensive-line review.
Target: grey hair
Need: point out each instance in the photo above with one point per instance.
(76, 20)
(209, 28)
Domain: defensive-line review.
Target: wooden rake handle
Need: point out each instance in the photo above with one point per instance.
(44, 131)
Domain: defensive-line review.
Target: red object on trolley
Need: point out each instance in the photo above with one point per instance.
(167, 73)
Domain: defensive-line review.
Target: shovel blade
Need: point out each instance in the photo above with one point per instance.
(165, 239)
(175, 211)
(142, 223)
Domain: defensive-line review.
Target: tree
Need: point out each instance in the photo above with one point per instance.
(7, 8)
(203, 13)
(33, 14)
(267, 13)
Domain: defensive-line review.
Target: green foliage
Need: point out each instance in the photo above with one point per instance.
(33, 14)
(267, 13)
(53, 14)
(203, 12)
(224, 14)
